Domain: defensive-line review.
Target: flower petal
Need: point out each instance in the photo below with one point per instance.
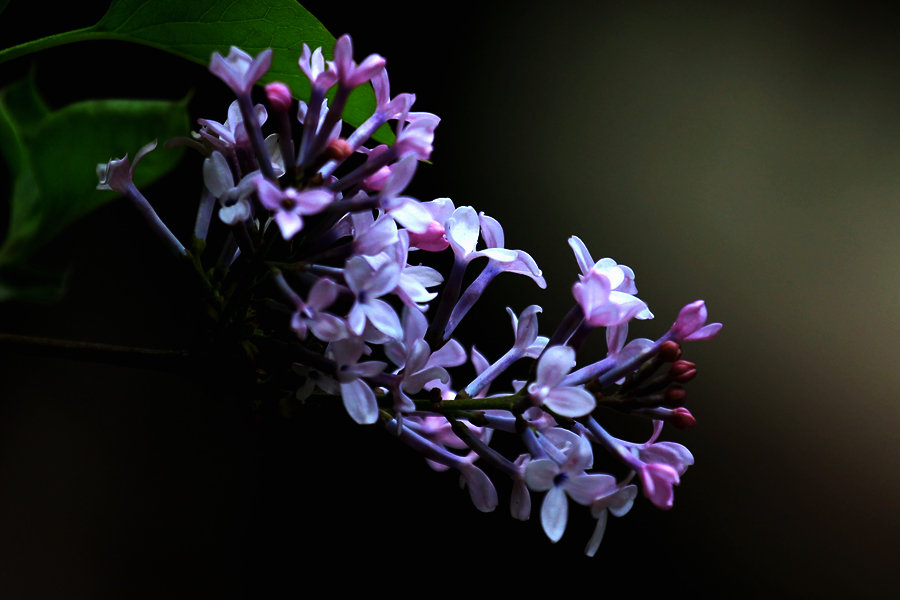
(359, 401)
(555, 513)
(569, 401)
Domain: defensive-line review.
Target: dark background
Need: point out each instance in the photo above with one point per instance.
(747, 156)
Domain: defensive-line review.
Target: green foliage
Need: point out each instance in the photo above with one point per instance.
(52, 158)
(195, 29)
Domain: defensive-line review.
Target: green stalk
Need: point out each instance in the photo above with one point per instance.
(51, 41)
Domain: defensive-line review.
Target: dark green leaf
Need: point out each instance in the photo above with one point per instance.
(52, 157)
(196, 29)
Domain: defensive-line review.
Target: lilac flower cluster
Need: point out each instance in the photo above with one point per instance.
(329, 238)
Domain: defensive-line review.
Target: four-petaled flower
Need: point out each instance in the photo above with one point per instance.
(291, 205)
(239, 70)
(547, 388)
(565, 479)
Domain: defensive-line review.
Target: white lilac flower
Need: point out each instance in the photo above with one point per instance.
(348, 72)
(565, 479)
(117, 174)
(368, 285)
(617, 501)
(548, 389)
(311, 315)
(407, 211)
(224, 136)
(417, 137)
(526, 343)
(412, 286)
(372, 235)
(521, 262)
(290, 205)
(239, 70)
(359, 399)
(234, 199)
(422, 368)
(433, 239)
(304, 116)
(603, 305)
(313, 66)
(691, 323)
(620, 283)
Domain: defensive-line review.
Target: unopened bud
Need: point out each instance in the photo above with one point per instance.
(681, 418)
(682, 371)
(670, 351)
(674, 396)
(338, 149)
(279, 96)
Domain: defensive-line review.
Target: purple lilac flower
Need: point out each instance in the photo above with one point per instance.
(368, 285)
(239, 70)
(548, 389)
(563, 479)
(617, 501)
(691, 323)
(359, 399)
(291, 205)
(353, 264)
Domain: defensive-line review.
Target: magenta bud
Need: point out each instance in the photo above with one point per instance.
(338, 149)
(681, 418)
(670, 351)
(682, 371)
(674, 396)
(279, 96)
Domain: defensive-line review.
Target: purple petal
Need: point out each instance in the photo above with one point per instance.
(491, 231)
(539, 474)
(289, 223)
(481, 489)
(658, 480)
(462, 231)
(554, 365)
(555, 513)
(322, 294)
(383, 317)
(570, 401)
(583, 489)
(596, 537)
(520, 501)
(704, 333)
(582, 256)
(359, 401)
(328, 328)
(310, 202)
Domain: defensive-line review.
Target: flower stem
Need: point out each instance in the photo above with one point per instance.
(127, 356)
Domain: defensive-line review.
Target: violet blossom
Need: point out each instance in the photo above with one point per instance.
(361, 251)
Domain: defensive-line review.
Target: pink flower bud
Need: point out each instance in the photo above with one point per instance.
(681, 418)
(682, 371)
(670, 351)
(279, 96)
(674, 396)
(338, 149)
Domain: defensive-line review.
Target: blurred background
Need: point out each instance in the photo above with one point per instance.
(745, 155)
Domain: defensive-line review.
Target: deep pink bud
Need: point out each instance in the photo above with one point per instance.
(682, 371)
(691, 323)
(432, 240)
(670, 351)
(674, 396)
(338, 149)
(681, 418)
(279, 96)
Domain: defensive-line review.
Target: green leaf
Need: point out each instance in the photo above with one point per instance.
(194, 29)
(53, 156)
